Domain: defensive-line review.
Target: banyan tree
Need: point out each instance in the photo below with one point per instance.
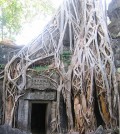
(77, 45)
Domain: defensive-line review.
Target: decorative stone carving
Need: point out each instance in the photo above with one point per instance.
(40, 83)
(41, 95)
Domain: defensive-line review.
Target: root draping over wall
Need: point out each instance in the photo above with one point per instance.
(79, 26)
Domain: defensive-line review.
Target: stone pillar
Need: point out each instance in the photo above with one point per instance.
(23, 115)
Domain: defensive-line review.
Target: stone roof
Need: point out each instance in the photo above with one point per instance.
(9, 43)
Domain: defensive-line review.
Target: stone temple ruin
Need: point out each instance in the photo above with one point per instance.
(114, 28)
(41, 105)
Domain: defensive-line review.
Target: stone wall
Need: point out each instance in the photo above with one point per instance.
(114, 15)
(116, 50)
(6, 53)
(114, 28)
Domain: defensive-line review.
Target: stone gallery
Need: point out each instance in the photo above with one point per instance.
(66, 81)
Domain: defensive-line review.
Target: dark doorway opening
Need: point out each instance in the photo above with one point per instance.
(38, 118)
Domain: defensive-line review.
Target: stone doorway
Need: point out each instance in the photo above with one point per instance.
(32, 103)
(38, 118)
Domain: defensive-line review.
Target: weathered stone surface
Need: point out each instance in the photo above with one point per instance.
(73, 133)
(100, 130)
(23, 115)
(40, 83)
(5, 129)
(116, 50)
(114, 9)
(6, 53)
(41, 95)
(114, 28)
(25, 106)
(114, 15)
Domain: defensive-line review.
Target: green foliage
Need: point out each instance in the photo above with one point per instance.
(35, 8)
(10, 18)
(40, 68)
(15, 13)
(2, 66)
(66, 57)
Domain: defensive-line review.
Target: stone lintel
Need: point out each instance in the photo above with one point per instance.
(41, 95)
